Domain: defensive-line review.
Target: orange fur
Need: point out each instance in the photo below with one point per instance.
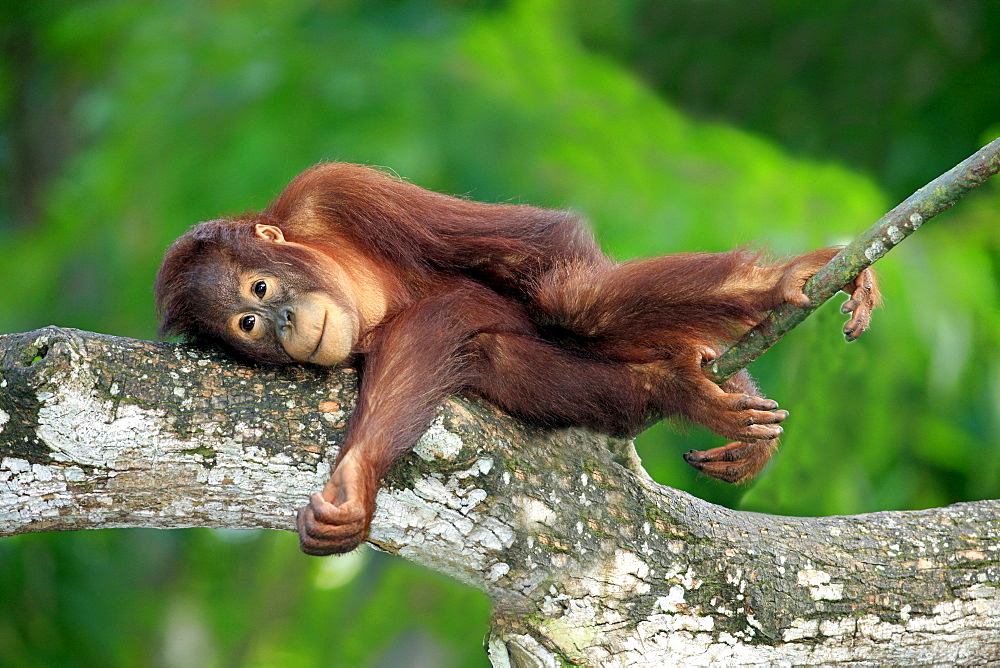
(514, 303)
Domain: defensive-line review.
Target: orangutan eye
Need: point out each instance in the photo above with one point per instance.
(248, 322)
(260, 289)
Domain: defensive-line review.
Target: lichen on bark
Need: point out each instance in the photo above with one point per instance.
(584, 557)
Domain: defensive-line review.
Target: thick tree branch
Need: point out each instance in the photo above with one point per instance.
(935, 197)
(585, 558)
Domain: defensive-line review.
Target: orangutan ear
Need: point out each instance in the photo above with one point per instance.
(270, 233)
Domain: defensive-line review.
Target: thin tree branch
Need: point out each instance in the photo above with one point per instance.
(935, 197)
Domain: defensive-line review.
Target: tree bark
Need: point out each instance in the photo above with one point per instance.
(584, 557)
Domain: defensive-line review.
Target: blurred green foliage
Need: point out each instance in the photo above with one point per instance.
(122, 123)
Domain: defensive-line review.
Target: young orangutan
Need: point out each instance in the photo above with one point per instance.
(431, 295)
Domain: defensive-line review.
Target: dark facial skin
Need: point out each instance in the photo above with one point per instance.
(274, 317)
